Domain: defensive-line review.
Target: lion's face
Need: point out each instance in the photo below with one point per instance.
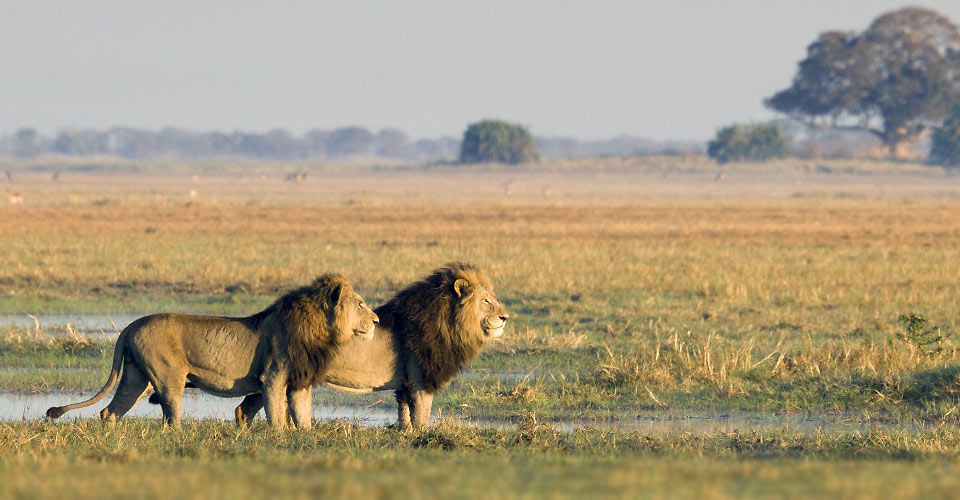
(492, 315)
(365, 320)
(360, 320)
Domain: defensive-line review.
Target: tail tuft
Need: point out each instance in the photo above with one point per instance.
(55, 412)
(154, 399)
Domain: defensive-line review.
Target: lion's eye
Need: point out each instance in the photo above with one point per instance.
(485, 301)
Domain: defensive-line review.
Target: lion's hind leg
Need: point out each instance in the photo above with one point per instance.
(170, 391)
(247, 410)
(133, 385)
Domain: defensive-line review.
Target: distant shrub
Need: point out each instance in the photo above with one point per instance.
(497, 141)
(748, 142)
(945, 142)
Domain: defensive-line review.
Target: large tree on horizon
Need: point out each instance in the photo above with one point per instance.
(896, 80)
(497, 141)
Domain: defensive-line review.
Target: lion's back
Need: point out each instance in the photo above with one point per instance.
(194, 339)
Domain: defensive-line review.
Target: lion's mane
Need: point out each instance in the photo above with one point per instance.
(306, 315)
(436, 326)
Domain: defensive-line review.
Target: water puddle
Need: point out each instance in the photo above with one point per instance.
(197, 405)
(660, 423)
(90, 324)
(35, 369)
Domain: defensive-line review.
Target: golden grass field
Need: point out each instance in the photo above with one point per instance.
(662, 283)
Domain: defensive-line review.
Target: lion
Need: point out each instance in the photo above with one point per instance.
(280, 353)
(428, 332)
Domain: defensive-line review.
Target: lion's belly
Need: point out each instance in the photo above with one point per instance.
(219, 385)
(366, 365)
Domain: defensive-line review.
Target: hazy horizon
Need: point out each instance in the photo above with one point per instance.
(577, 69)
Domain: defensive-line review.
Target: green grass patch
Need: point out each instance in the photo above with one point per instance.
(208, 458)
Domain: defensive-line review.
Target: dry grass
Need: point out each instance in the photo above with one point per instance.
(632, 283)
(642, 286)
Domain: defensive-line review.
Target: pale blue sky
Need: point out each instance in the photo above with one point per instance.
(587, 69)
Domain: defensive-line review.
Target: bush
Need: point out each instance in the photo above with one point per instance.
(497, 141)
(748, 142)
(945, 143)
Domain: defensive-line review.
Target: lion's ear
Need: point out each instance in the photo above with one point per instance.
(336, 293)
(461, 286)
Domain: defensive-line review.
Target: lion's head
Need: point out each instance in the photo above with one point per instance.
(475, 299)
(317, 319)
(445, 319)
(351, 316)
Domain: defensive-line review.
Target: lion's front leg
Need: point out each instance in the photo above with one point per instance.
(301, 407)
(420, 403)
(403, 410)
(275, 399)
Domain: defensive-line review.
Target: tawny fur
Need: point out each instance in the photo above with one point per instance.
(306, 315)
(428, 333)
(283, 350)
(428, 317)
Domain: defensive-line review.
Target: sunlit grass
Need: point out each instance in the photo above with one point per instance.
(764, 302)
(533, 460)
(651, 284)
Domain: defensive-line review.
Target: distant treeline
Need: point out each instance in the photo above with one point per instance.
(279, 144)
(624, 145)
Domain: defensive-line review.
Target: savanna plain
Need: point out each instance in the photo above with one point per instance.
(813, 301)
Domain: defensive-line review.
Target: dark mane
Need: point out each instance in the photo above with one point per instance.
(427, 319)
(305, 315)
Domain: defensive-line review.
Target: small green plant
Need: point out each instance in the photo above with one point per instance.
(916, 333)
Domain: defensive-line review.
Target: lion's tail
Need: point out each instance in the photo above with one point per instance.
(118, 354)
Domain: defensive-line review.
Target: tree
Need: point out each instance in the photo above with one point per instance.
(316, 143)
(444, 148)
(26, 142)
(945, 143)
(751, 142)
(184, 144)
(81, 142)
(350, 141)
(497, 141)
(895, 80)
(392, 143)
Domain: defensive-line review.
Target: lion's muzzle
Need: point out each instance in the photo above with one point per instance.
(365, 334)
(495, 330)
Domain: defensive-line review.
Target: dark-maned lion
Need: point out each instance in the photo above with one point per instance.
(280, 352)
(428, 332)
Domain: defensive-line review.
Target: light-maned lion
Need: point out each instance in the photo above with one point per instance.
(280, 352)
(427, 334)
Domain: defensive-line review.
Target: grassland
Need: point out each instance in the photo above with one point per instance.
(218, 460)
(660, 285)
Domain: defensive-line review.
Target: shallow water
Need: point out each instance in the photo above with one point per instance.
(197, 405)
(90, 324)
(700, 422)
